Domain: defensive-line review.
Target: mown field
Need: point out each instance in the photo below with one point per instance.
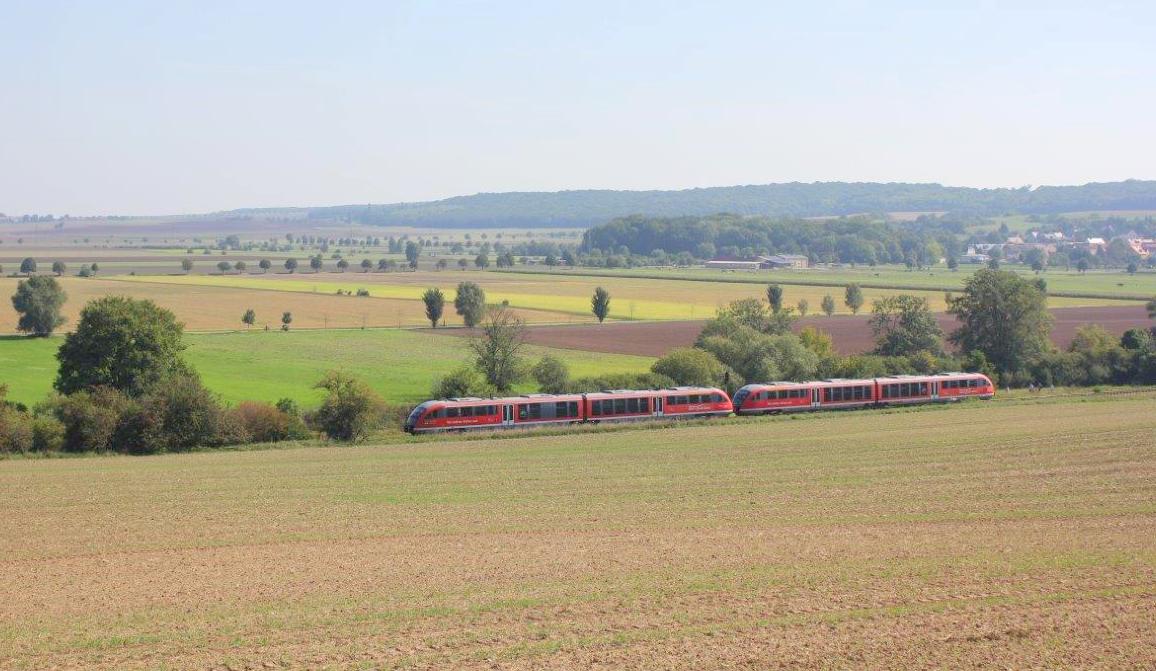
(1002, 535)
(208, 307)
(401, 365)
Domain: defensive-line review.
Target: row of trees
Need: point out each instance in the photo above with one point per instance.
(470, 304)
(29, 267)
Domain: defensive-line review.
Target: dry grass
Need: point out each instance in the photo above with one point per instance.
(1003, 534)
(214, 308)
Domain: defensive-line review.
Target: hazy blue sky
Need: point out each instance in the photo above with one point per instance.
(163, 107)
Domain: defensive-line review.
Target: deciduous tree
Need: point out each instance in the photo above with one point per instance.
(38, 301)
(470, 303)
(435, 303)
(600, 304)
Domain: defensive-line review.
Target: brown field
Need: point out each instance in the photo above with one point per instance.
(208, 308)
(851, 334)
(856, 540)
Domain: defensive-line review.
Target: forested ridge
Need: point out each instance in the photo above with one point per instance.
(592, 207)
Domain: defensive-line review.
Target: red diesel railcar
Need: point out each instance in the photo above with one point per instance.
(460, 414)
(777, 397)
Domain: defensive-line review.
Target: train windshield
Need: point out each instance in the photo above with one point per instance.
(416, 414)
(740, 396)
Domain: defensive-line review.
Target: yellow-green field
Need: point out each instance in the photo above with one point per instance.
(631, 298)
(993, 535)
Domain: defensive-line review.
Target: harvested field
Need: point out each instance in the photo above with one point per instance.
(867, 540)
(850, 333)
(218, 308)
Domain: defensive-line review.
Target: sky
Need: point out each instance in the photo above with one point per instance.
(176, 107)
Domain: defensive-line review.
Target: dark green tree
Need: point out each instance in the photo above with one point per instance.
(286, 320)
(59, 267)
(28, 266)
(265, 265)
(775, 297)
(291, 265)
(186, 265)
(803, 307)
(121, 343)
(903, 325)
(1004, 316)
(470, 303)
(435, 304)
(249, 318)
(38, 301)
(600, 304)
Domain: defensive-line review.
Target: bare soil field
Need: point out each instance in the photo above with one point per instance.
(891, 539)
(851, 334)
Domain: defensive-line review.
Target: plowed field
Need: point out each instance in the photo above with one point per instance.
(851, 334)
(1010, 534)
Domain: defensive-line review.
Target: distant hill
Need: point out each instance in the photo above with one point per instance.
(592, 207)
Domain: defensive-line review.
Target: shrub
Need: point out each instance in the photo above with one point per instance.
(350, 411)
(16, 431)
(47, 434)
(90, 418)
(551, 374)
(465, 381)
(189, 415)
(619, 381)
(697, 367)
(264, 423)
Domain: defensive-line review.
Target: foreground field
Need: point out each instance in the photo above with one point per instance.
(1008, 534)
(401, 365)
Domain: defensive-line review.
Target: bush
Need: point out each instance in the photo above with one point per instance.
(619, 381)
(551, 374)
(90, 418)
(189, 415)
(350, 411)
(264, 423)
(16, 431)
(695, 367)
(464, 381)
(47, 434)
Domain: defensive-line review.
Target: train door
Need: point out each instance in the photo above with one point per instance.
(658, 406)
(507, 415)
(814, 397)
(935, 390)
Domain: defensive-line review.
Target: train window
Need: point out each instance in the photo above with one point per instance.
(644, 405)
(632, 405)
(452, 412)
(491, 410)
(923, 389)
(596, 407)
(827, 394)
(620, 406)
(467, 411)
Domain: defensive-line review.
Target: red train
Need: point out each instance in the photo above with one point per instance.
(459, 414)
(777, 397)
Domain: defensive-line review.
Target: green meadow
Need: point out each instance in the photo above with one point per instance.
(265, 366)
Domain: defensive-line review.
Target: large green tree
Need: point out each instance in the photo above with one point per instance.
(498, 349)
(775, 297)
(38, 301)
(470, 303)
(903, 325)
(1004, 316)
(122, 343)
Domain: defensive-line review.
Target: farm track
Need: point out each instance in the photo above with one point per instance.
(851, 334)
